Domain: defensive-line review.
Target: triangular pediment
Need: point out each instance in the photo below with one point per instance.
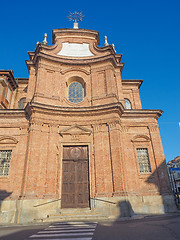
(75, 130)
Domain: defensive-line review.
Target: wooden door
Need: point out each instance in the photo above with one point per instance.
(75, 177)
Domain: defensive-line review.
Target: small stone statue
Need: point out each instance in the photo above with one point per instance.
(45, 39)
(113, 47)
(105, 41)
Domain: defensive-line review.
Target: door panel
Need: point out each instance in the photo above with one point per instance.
(75, 177)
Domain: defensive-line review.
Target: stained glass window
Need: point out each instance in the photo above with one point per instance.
(75, 92)
(143, 159)
(127, 103)
(5, 158)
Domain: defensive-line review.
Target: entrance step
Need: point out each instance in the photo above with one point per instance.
(75, 211)
(75, 215)
(74, 218)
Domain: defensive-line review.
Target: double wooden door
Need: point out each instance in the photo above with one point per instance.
(75, 177)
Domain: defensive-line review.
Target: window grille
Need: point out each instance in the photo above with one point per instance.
(143, 160)
(75, 92)
(5, 158)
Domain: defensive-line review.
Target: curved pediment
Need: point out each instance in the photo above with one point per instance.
(75, 46)
(8, 140)
(141, 138)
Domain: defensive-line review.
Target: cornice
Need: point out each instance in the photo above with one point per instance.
(12, 113)
(31, 54)
(136, 82)
(74, 32)
(93, 110)
(70, 69)
(8, 74)
(139, 113)
(108, 48)
(22, 80)
(75, 61)
(73, 111)
(43, 51)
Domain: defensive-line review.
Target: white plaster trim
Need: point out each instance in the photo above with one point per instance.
(75, 50)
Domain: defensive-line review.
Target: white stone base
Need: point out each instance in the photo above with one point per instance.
(38, 210)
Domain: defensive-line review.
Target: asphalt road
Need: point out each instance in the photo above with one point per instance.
(166, 227)
(151, 228)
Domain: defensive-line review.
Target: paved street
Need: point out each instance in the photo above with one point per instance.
(70, 230)
(166, 227)
(154, 228)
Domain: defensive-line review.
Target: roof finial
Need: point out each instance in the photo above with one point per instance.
(105, 41)
(114, 47)
(75, 17)
(45, 39)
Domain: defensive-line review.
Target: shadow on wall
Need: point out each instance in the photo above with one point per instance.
(153, 206)
(160, 178)
(3, 195)
(125, 209)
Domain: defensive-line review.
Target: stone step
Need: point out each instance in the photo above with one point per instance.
(72, 211)
(74, 218)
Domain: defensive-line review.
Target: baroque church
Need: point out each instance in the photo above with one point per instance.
(74, 138)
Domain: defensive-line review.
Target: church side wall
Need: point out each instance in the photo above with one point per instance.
(14, 137)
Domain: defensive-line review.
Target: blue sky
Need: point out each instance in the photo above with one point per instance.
(146, 33)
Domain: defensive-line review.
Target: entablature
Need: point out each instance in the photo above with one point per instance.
(93, 110)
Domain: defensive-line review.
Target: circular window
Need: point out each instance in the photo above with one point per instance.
(75, 92)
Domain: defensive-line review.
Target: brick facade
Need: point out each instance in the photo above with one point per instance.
(37, 133)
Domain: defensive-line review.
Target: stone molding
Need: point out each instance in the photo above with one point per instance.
(124, 128)
(75, 61)
(132, 82)
(8, 140)
(49, 67)
(78, 69)
(141, 138)
(114, 125)
(153, 128)
(100, 127)
(93, 110)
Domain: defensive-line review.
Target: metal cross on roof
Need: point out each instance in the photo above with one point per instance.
(75, 17)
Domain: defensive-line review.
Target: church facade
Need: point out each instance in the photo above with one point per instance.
(74, 136)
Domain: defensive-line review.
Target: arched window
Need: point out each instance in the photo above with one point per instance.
(21, 103)
(75, 92)
(127, 104)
